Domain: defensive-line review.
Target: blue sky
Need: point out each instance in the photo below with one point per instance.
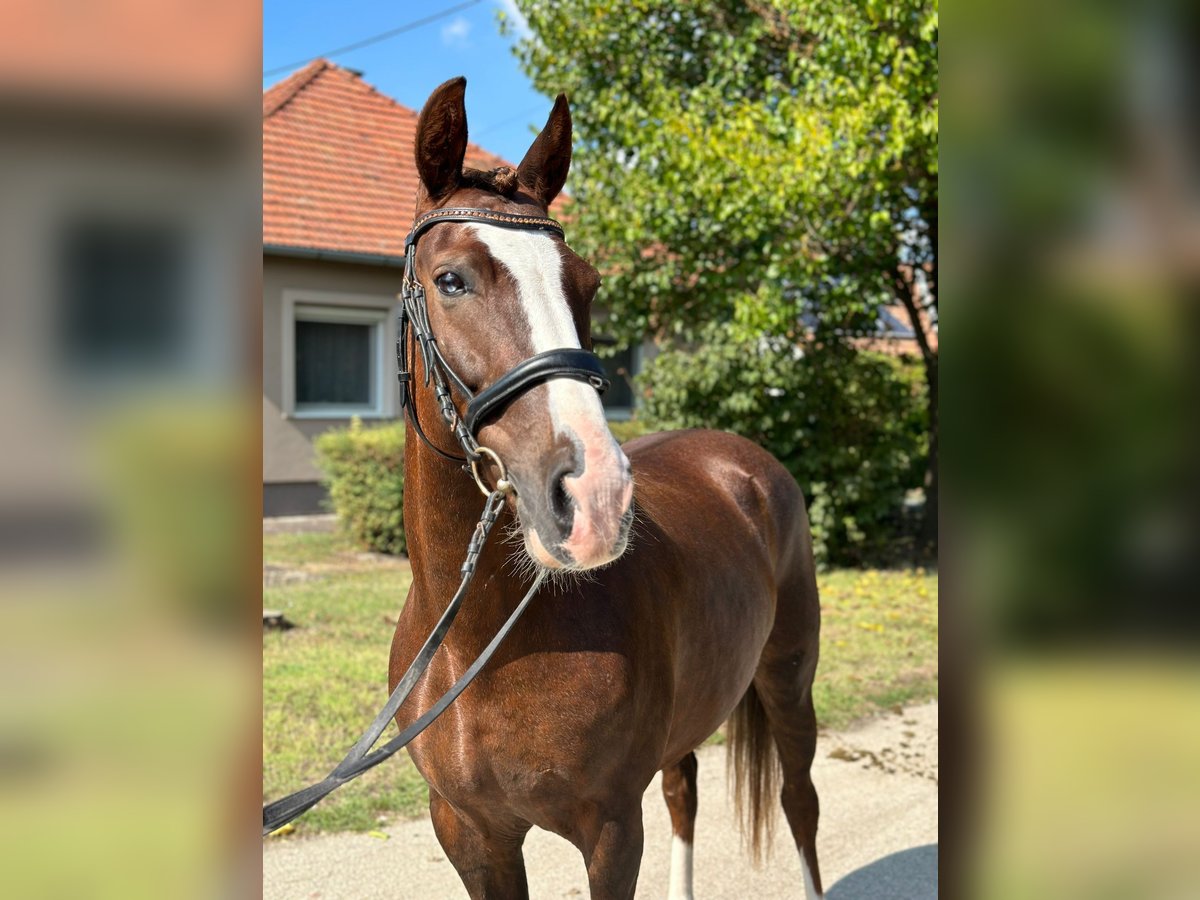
(501, 103)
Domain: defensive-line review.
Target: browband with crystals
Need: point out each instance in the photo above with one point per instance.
(485, 216)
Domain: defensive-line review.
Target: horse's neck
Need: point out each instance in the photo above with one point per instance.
(442, 506)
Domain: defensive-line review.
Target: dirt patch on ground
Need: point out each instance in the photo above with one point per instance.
(905, 743)
(324, 523)
(276, 575)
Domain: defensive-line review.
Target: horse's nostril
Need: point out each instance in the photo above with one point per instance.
(561, 504)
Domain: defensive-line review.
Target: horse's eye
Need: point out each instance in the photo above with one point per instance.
(450, 284)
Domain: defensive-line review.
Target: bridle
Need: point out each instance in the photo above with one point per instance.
(565, 362)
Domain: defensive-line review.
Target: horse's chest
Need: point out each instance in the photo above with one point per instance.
(533, 732)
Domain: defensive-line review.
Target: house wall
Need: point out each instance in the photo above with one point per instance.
(290, 476)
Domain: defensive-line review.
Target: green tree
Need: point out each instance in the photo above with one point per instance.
(770, 164)
(848, 424)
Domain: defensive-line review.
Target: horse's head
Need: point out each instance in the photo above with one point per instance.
(496, 297)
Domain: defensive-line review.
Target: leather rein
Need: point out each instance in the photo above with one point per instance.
(567, 362)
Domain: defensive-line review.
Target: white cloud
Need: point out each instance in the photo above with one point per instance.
(454, 33)
(516, 19)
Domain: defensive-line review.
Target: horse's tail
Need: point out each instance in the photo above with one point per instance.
(753, 767)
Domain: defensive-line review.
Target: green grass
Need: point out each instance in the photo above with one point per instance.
(305, 548)
(879, 632)
(324, 681)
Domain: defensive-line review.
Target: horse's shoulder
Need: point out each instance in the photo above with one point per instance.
(722, 456)
(693, 444)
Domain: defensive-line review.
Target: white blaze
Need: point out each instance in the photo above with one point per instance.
(602, 491)
(681, 870)
(533, 260)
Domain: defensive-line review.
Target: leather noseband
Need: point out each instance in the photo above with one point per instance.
(568, 362)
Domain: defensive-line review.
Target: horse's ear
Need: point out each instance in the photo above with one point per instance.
(543, 171)
(442, 138)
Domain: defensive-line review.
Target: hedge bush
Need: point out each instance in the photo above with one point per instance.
(631, 428)
(364, 470)
(848, 424)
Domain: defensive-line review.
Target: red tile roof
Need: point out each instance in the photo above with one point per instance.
(165, 57)
(338, 171)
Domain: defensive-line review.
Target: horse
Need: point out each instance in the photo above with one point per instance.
(683, 590)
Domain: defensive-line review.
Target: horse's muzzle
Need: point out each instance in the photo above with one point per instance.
(584, 518)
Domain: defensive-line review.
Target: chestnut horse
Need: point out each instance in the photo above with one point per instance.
(698, 606)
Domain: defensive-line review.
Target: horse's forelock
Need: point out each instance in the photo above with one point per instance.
(502, 180)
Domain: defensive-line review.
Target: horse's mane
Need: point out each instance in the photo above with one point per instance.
(502, 180)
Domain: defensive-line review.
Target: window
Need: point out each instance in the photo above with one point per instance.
(122, 301)
(618, 400)
(338, 361)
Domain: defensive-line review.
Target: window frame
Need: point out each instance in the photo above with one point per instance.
(337, 307)
(621, 413)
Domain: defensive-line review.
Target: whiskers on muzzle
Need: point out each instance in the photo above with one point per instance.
(522, 564)
(529, 552)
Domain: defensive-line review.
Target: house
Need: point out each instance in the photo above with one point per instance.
(894, 333)
(126, 150)
(339, 191)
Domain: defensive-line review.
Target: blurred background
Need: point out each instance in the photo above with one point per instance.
(129, 265)
(131, 473)
(1072, 175)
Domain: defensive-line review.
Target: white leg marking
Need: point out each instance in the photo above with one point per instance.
(681, 870)
(810, 889)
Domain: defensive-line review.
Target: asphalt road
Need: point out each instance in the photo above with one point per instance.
(878, 836)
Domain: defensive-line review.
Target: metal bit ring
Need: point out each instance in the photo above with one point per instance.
(503, 485)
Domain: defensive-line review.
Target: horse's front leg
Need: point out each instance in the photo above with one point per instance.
(488, 860)
(612, 848)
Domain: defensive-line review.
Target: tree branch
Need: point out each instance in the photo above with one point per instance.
(904, 291)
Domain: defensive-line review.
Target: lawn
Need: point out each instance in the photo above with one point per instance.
(324, 680)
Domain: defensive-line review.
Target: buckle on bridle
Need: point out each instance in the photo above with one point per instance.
(503, 485)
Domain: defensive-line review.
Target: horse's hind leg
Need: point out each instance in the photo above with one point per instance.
(784, 685)
(490, 863)
(796, 740)
(679, 789)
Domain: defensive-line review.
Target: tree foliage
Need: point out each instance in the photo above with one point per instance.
(771, 164)
(849, 425)
(748, 160)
